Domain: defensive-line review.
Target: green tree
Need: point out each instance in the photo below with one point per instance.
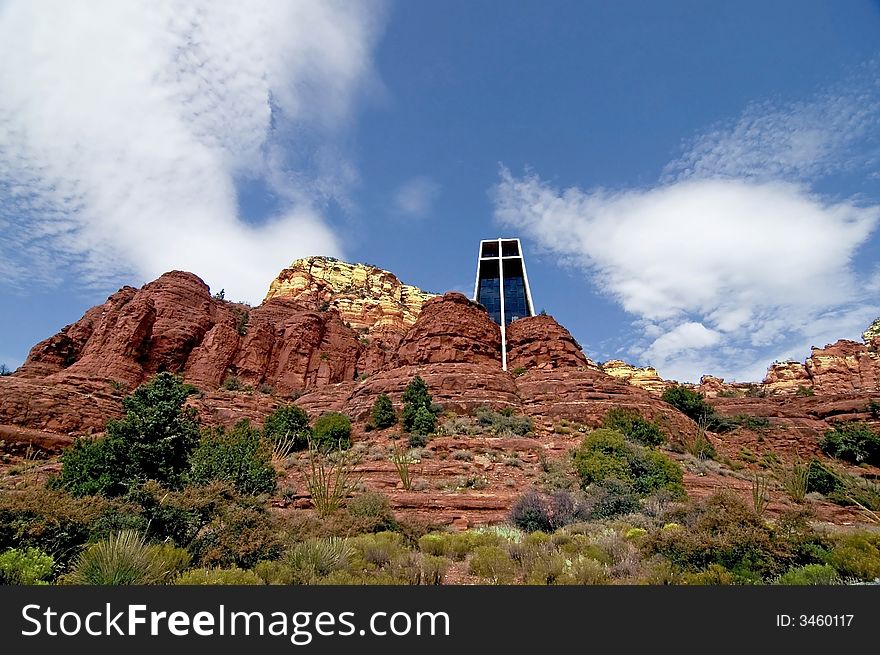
(288, 424)
(332, 430)
(240, 456)
(853, 442)
(416, 397)
(383, 412)
(152, 441)
(689, 402)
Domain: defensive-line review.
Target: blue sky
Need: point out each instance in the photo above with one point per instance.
(697, 184)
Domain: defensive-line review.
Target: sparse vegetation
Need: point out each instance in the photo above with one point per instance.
(795, 478)
(403, 461)
(689, 402)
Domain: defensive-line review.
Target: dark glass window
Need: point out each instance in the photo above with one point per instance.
(509, 249)
(490, 298)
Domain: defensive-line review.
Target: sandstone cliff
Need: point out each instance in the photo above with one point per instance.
(644, 378)
(367, 298)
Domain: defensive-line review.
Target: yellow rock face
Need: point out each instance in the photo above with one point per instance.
(872, 333)
(367, 297)
(645, 378)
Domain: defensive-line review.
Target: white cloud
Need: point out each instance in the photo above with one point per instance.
(124, 126)
(415, 197)
(731, 259)
(799, 140)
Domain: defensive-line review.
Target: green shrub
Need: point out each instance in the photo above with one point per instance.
(585, 571)
(605, 454)
(234, 576)
(822, 479)
(492, 563)
(633, 426)
(873, 408)
(239, 456)
(123, 559)
(415, 398)
(332, 430)
(688, 402)
(383, 415)
(856, 556)
(804, 391)
(810, 574)
(25, 566)
(288, 426)
(153, 441)
(853, 442)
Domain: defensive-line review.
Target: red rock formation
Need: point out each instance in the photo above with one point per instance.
(844, 366)
(540, 342)
(451, 329)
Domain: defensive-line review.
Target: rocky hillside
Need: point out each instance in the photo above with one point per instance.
(333, 336)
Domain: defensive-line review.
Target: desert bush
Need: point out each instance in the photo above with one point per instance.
(546, 512)
(493, 564)
(153, 441)
(608, 499)
(714, 574)
(332, 430)
(382, 414)
(697, 443)
(123, 559)
(689, 402)
(856, 555)
(721, 530)
(633, 426)
(288, 427)
(25, 566)
(234, 383)
(239, 456)
(585, 571)
(503, 422)
(374, 507)
(378, 549)
(237, 536)
(53, 521)
(434, 569)
(215, 577)
(435, 543)
(822, 479)
(853, 442)
(605, 454)
(810, 574)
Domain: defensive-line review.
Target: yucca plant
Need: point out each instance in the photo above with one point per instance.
(795, 478)
(315, 558)
(402, 462)
(124, 558)
(760, 493)
(330, 477)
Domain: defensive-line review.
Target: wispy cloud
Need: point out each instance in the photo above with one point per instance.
(124, 126)
(415, 197)
(731, 259)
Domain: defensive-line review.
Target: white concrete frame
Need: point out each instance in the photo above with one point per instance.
(500, 259)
